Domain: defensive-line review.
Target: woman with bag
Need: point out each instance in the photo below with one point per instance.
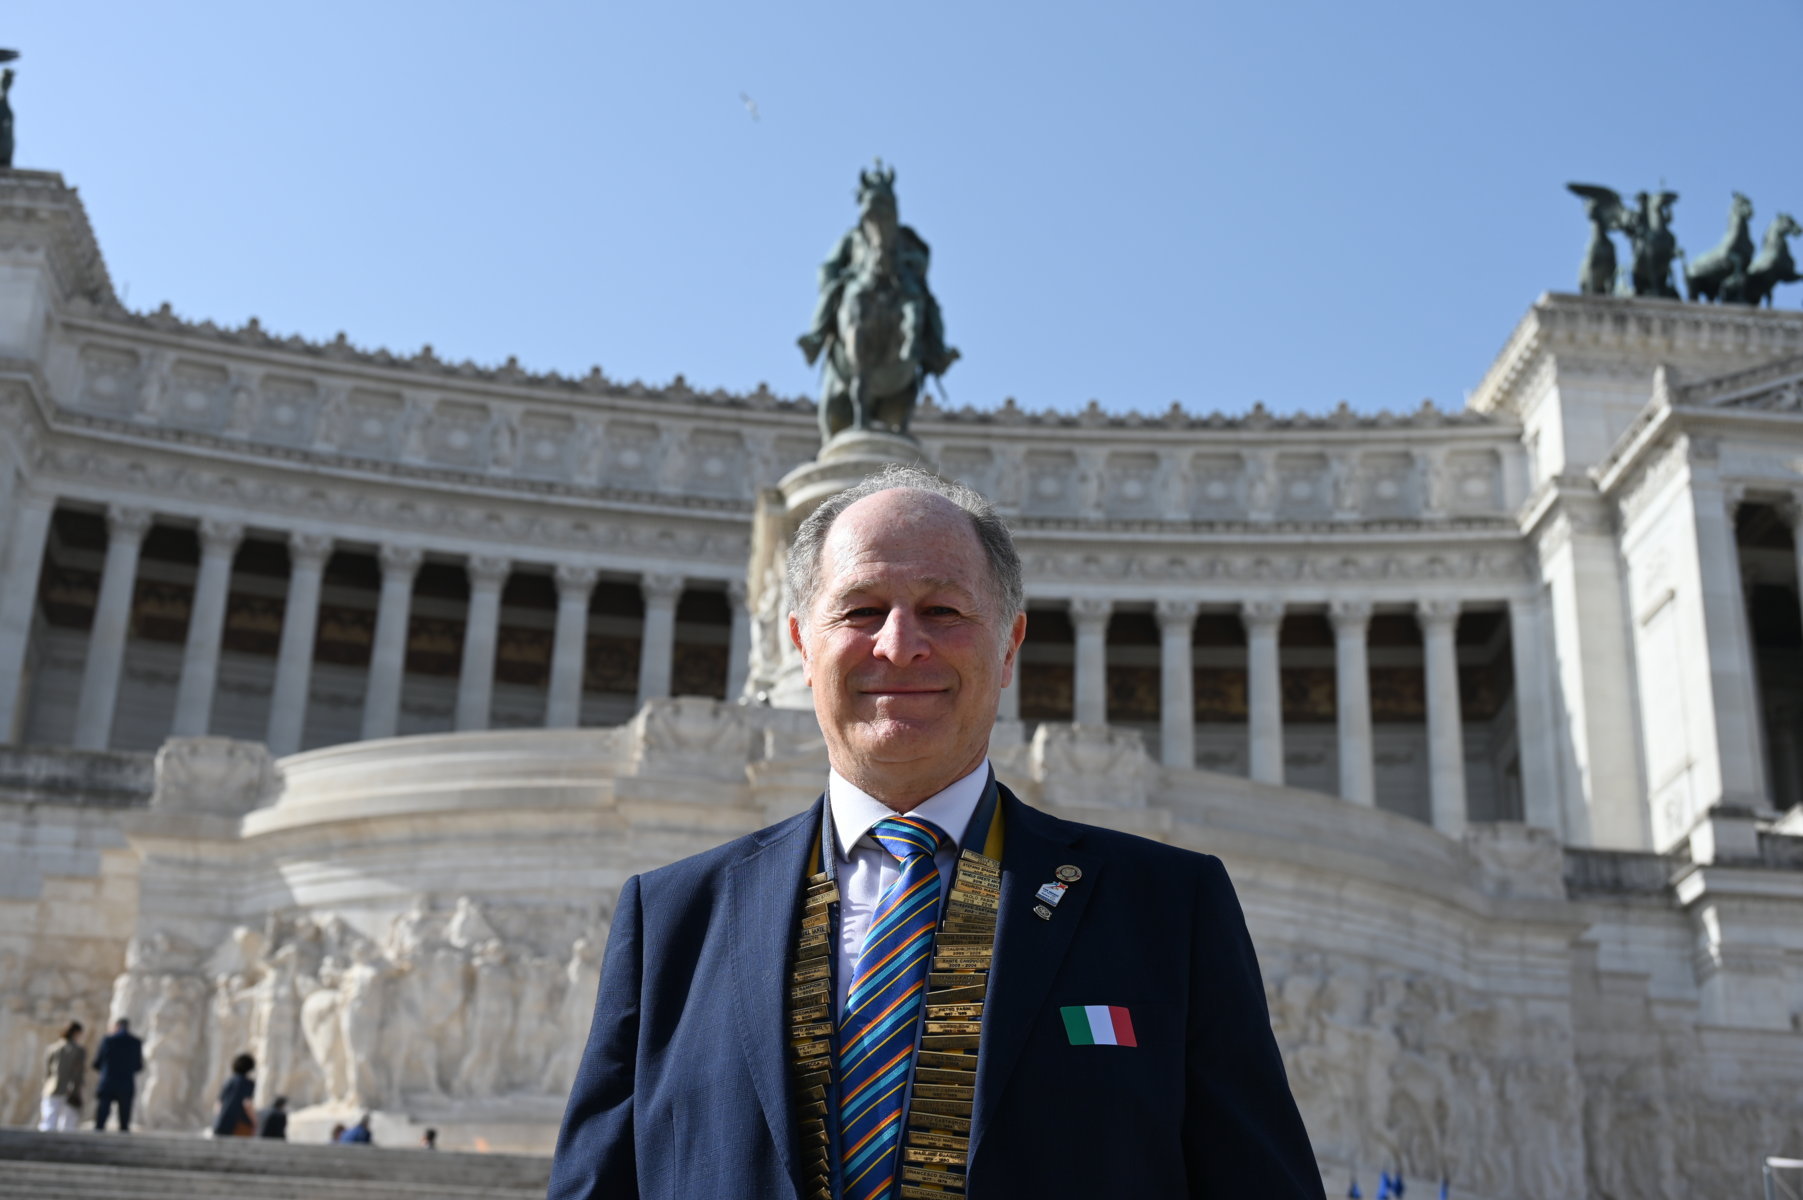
(237, 1115)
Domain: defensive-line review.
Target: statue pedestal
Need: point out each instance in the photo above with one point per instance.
(775, 673)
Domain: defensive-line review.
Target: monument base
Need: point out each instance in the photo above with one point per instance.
(850, 457)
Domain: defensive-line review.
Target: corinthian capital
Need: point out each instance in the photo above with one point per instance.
(1437, 613)
(400, 560)
(308, 550)
(488, 570)
(220, 537)
(574, 579)
(660, 588)
(128, 523)
(1181, 613)
(1091, 610)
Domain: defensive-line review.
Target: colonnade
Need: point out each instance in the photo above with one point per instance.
(1262, 619)
(308, 553)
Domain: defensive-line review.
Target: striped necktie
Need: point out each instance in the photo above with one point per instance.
(882, 1011)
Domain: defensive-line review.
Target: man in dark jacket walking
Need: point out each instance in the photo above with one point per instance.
(119, 1059)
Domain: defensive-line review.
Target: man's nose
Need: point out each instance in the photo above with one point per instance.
(902, 638)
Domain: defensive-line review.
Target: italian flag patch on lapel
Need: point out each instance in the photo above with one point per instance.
(1098, 1025)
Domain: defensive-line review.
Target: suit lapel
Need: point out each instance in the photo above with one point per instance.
(1028, 950)
(763, 898)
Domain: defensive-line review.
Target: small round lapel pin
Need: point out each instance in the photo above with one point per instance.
(1068, 873)
(1042, 912)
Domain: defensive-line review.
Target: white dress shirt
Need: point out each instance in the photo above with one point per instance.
(865, 870)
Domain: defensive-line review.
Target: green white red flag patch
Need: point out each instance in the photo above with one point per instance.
(1098, 1025)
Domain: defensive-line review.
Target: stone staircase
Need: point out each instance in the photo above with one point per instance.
(105, 1166)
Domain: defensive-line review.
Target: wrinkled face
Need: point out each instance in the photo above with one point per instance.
(905, 645)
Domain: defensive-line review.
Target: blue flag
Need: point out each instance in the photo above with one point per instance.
(1353, 1193)
(1383, 1185)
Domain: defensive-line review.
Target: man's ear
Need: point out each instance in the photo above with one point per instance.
(1017, 633)
(801, 646)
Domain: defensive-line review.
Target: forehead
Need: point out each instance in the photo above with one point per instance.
(901, 528)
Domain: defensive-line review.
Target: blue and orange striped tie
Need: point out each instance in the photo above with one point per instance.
(882, 1011)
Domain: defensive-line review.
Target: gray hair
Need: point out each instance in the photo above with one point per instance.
(992, 534)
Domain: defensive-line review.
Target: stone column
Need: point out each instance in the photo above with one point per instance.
(1794, 511)
(569, 647)
(1177, 683)
(307, 554)
(481, 628)
(206, 625)
(18, 601)
(1534, 725)
(1090, 615)
(388, 656)
(1352, 698)
(738, 646)
(1445, 729)
(126, 528)
(1728, 630)
(657, 642)
(1264, 689)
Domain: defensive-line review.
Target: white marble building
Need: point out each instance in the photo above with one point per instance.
(1495, 715)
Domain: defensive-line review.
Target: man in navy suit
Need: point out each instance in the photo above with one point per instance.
(119, 1059)
(1125, 1048)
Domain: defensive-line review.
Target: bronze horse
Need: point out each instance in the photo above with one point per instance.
(1774, 265)
(1721, 273)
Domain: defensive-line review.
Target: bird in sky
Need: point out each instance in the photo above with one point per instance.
(751, 106)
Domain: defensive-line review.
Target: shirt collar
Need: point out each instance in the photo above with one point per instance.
(855, 810)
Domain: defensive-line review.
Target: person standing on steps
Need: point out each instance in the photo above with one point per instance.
(237, 1116)
(275, 1121)
(119, 1059)
(64, 1065)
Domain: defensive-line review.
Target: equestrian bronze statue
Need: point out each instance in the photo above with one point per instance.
(877, 324)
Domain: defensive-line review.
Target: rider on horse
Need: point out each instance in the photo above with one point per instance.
(848, 259)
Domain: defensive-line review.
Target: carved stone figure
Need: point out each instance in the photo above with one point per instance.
(228, 1025)
(1774, 264)
(582, 978)
(275, 1024)
(360, 1017)
(320, 1027)
(1721, 273)
(172, 1036)
(490, 1023)
(537, 1032)
(876, 321)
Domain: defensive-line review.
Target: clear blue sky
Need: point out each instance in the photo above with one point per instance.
(1297, 203)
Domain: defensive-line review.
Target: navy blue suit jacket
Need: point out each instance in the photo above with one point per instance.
(683, 1090)
(119, 1059)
